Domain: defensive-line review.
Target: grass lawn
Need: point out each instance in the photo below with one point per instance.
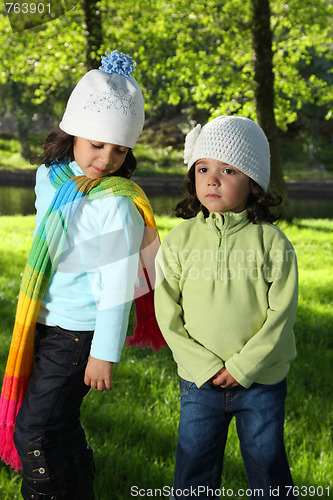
(133, 429)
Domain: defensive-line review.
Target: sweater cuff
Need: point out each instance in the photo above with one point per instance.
(242, 379)
(110, 333)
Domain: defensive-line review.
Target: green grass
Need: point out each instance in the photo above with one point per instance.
(133, 429)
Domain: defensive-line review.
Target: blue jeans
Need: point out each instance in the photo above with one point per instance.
(48, 430)
(204, 420)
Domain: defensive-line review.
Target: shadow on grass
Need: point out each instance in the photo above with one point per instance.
(134, 428)
(303, 224)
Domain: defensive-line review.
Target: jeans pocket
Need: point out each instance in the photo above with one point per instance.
(67, 333)
(63, 349)
(80, 342)
(42, 463)
(185, 386)
(33, 460)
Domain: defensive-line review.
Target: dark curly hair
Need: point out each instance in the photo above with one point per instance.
(58, 147)
(258, 204)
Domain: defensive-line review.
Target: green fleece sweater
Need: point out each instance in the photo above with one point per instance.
(226, 295)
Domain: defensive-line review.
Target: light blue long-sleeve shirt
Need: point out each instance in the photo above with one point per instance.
(93, 286)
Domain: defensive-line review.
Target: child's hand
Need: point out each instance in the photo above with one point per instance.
(98, 374)
(224, 379)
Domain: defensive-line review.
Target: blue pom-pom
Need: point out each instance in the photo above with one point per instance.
(117, 63)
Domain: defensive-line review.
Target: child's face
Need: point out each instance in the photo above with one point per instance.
(98, 159)
(221, 187)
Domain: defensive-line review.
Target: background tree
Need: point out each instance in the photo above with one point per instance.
(38, 68)
(94, 32)
(195, 59)
(199, 59)
(198, 55)
(264, 94)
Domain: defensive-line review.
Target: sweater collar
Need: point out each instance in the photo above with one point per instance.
(230, 222)
(75, 168)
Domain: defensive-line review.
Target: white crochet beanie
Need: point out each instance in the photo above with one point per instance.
(235, 140)
(107, 104)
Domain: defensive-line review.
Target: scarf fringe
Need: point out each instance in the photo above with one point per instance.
(146, 332)
(8, 451)
(140, 338)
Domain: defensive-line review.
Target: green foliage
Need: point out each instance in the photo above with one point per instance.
(10, 156)
(190, 55)
(133, 429)
(159, 161)
(302, 57)
(9, 146)
(39, 66)
(199, 55)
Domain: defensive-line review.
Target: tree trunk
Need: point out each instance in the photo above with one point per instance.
(94, 37)
(23, 136)
(264, 95)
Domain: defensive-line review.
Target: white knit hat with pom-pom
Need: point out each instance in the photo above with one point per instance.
(107, 104)
(234, 140)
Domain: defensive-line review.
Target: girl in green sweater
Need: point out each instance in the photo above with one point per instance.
(226, 304)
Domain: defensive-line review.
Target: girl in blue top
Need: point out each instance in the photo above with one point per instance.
(83, 317)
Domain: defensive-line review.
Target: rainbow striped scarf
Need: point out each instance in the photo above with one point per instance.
(37, 275)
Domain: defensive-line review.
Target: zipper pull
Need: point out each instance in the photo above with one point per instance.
(219, 236)
(219, 257)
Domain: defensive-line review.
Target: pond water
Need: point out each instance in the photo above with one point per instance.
(15, 200)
